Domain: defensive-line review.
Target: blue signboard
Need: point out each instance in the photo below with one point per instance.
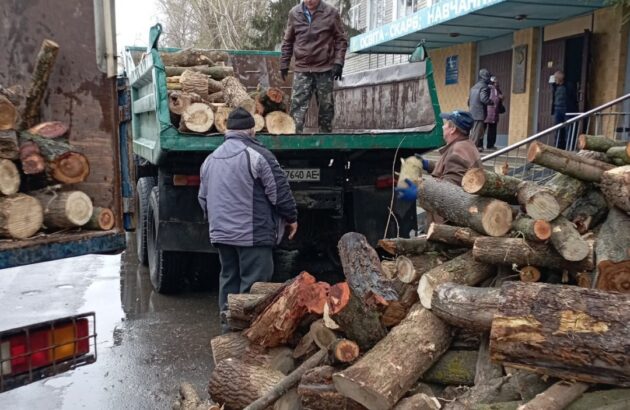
(426, 17)
(452, 70)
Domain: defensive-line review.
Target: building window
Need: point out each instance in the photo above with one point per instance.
(404, 8)
(354, 17)
(377, 15)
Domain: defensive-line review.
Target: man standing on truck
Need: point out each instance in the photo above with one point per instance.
(316, 37)
(457, 156)
(246, 198)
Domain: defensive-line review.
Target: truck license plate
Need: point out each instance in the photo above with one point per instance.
(303, 174)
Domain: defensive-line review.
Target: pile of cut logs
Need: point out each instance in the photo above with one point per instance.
(522, 303)
(202, 91)
(38, 165)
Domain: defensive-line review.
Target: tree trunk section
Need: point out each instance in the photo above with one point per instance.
(567, 240)
(566, 189)
(197, 117)
(588, 211)
(221, 117)
(563, 331)
(50, 129)
(539, 202)
(557, 397)
(65, 209)
(481, 182)
(508, 251)
(264, 288)
(529, 274)
(620, 155)
(39, 82)
(567, 162)
(384, 374)
(194, 57)
(9, 177)
(178, 101)
(31, 158)
(455, 367)
(9, 145)
(452, 235)
(188, 399)
(614, 399)
(463, 270)
(21, 216)
(65, 165)
(465, 306)
(272, 99)
(102, 219)
(396, 311)
(612, 248)
(235, 95)
(279, 123)
(216, 73)
(615, 186)
(485, 369)
(8, 114)
(485, 215)
(238, 302)
(344, 351)
(275, 358)
(405, 270)
(195, 82)
(229, 345)
(532, 229)
(409, 246)
(260, 122)
(597, 143)
(418, 401)
(317, 391)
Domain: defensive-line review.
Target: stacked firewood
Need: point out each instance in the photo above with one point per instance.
(203, 91)
(523, 303)
(38, 165)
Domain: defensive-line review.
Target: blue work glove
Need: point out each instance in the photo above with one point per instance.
(336, 71)
(409, 194)
(425, 162)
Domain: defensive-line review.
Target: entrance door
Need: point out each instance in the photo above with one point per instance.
(552, 60)
(500, 65)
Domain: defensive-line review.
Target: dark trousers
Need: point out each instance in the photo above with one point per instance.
(241, 266)
(561, 135)
(491, 135)
(476, 133)
(304, 85)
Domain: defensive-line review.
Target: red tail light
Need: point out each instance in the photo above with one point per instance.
(186, 180)
(385, 181)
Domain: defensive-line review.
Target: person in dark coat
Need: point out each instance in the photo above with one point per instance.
(564, 100)
(494, 110)
(478, 101)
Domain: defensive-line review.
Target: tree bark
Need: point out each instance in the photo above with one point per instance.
(597, 143)
(216, 73)
(9, 145)
(194, 57)
(465, 306)
(452, 235)
(615, 186)
(102, 219)
(614, 399)
(563, 331)
(275, 358)
(485, 215)
(229, 345)
(39, 83)
(418, 401)
(278, 123)
(485, 369)
(384, 374)
(612, 248)
(317, 391)
(481, 182)
(508, 251)
(566, 189)
(195, 82)
(64, 164)
(568, 241)
(197, 117)
(409, 246)
(50, 129)
(539, 202)
(235, 95)
(264, 288)
(9, 177)
(65, 209)
(178, 101)
(588, 211)
(396, 311)
(557, 397)
(21, 216)
(532, 229)
(463, 270)
(620, 155)
(272, 99)
(189, 400)
(31, 158)
(238, 302)
(455, 367)
(567, 162)
(8, 114)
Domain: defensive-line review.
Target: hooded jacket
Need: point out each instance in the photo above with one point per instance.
(245, 194)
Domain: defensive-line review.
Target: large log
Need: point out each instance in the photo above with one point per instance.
(384, 374)
(238, 302)
(620, 155)
(8, 114)
(279, 123)
(485, 215)
(221, 117)
(197, 117)
(481, 182)
(275, 358)
(65, 165)
(597, 143)
(566, 189)
(9, 177)
(615, 186)
(9, 145)
(317, 391)
(454, 367)
(21, 216)
(567, 162)
(612, 248)
(418, 401)
(532, 229)
(229, 345)
(588, 210)
(508, 251)
(557, 397)
(49, 129)
(259, 120)
(32, 160)
(563, 331)
(567, 240)
(188, 399)
(409, 246)
(39, 83)
(65, 209)
(194, 82)
(102, 219)
(463, 270)
(235, 95)
(539, 202)
(272, 99)
(264, 288)
(194, 57)
(466, 307)
(452, 235)
(217, 73)
(178, 101)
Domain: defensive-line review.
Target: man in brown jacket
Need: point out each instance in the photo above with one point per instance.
(315, 36)
(458, 156)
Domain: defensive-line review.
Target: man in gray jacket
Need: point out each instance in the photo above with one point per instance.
(478, 101)
(248, 202)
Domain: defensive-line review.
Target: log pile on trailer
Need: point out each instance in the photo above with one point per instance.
(499, 310)
(203, 90)
(39, 167)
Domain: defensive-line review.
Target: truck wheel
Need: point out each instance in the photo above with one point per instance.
(143, 190)
(165, 268)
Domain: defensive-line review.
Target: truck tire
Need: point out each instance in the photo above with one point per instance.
(166, 269)
(143, 190)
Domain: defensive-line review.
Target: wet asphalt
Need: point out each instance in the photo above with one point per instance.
(147, 343)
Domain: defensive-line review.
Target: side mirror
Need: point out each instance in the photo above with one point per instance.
(419, 54)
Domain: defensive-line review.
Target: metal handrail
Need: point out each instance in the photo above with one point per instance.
(541, 134)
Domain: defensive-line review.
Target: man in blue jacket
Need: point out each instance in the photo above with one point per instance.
(248, 202)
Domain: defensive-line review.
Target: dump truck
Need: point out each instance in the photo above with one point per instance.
(342, 181)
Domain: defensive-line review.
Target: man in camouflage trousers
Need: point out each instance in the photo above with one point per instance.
(315, 36)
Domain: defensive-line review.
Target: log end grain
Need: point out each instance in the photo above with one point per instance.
(581, 142)
(9, 177)
(542, 229)
(50, 129)
(497, 218)
(22, 216)
(70, 168)
(614, 276)
(338, 297)
(279, 122)
(542, 205)
(103, 218)
(198, 117)
(474, 180)
(79, 208)
(425, 291)
(260, 122)
(529, 274)
(533, 151)
(345, 351)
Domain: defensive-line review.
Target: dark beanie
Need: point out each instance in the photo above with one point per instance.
(240, 119)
